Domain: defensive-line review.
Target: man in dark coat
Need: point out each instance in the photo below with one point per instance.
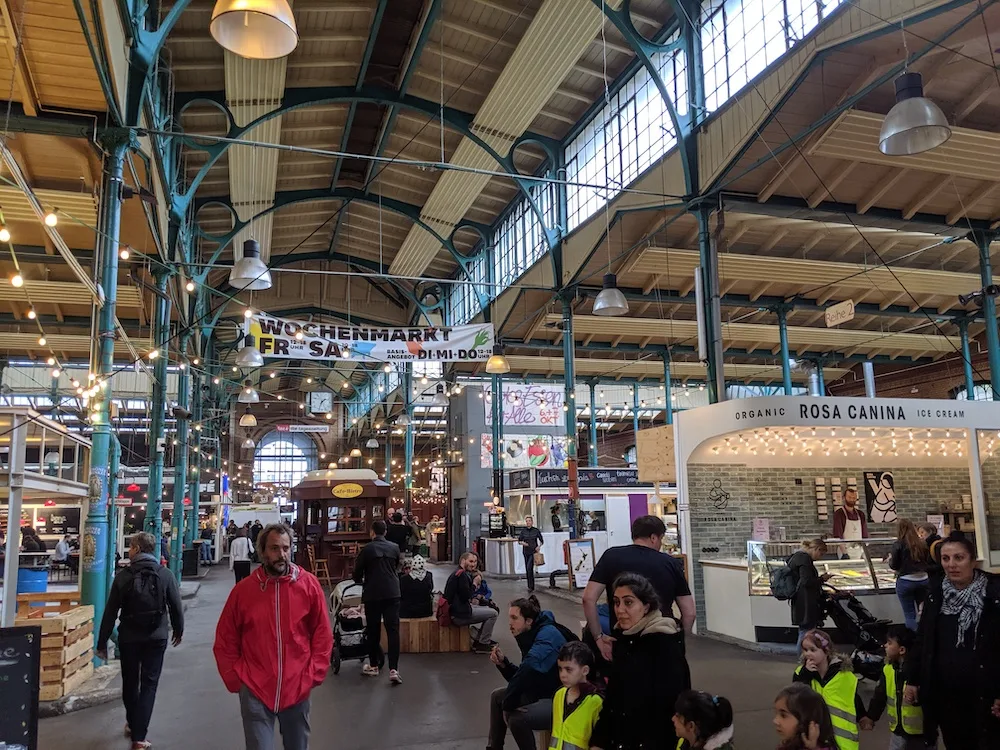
(377, 568)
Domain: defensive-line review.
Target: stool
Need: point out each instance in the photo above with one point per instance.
(543, 740)
(320, 568)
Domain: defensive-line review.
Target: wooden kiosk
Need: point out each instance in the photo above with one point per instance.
(334, 511)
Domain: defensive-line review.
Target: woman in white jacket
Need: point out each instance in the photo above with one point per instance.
(239, 555)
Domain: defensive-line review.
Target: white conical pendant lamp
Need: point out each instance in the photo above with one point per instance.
(610, 302)
(255, 29)
(250, 273)
(914, 124)
(249, 356)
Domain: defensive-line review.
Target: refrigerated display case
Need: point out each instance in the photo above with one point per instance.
(869, 574)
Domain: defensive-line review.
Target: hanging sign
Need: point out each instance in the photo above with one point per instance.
(842, 312)
(276, 337)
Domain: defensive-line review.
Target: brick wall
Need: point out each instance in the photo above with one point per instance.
(721, 529)
(940, 379)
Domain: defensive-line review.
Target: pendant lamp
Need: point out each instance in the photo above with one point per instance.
(248, 395)
(250, 273)
(610, 302)
(355, 453)
(372, 443)
(248, 419)
(403, 420)
(248, 356)
(914, 124)
(439, 398)
(255, 29)
(248, 443)
(497, 364)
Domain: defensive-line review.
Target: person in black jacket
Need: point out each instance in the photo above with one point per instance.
(143, 593)
(459, 593)
(648, 671)
(908, 558)
(530, 540)
(525, 704)
(954, 669)
(376, 568)
(398, 532)
(805, 604)
(416, 589)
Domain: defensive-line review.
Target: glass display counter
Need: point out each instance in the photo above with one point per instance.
(737, 600)
(865, 571)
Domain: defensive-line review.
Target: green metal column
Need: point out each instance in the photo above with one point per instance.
(94, 567)
(158, 406)
(116, 458)
(983, 241)
(178, 529)
(786, 368)
(408, 444)
(668, 397)
(635, 411)
(495, 419)
(592, 448)
(970, 383)
(710, 306)
(197, 414)
(569, 377)
(820, 380)
(388, 454)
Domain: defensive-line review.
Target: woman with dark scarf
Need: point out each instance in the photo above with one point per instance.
(954, 671)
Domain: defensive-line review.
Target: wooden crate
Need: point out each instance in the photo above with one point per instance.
(425, 636)
(47, 603)
(67, 649)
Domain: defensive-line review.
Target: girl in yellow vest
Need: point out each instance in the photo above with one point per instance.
(832, 678)
(802, 720)
(576, 704)
(906, 722)
(703, 721)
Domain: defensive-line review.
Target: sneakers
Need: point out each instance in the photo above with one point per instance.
(394, 677)
(141, 745)
(369, 671)
(481, 648)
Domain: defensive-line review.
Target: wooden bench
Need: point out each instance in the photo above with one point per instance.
(425, 636)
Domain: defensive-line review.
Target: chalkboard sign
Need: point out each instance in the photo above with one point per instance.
(551, 478)
(519, 480)
(610, 478)
(20, 662)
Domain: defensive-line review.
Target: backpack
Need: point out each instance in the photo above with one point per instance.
(784, 583)
(443, 612)
(144, 601)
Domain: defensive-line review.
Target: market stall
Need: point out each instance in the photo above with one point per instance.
(757, 476)
(609, 500)
(334, 512)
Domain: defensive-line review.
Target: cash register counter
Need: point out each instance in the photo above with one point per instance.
(737, 596)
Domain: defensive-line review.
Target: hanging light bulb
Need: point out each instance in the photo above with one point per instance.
(17, 280)
(189, 286)
(248, 419)
(249, 356)
(4, 233)
(52, 217)
(154, 354)
(497, 364)
(914, 124)
(31, 313)
(249, 273)
(123, 253)
(42, 341)
(610, 302)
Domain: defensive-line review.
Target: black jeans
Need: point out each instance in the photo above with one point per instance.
(377, 612)
(529, 568)
(141, 665)
(523, 722)
(241, 568)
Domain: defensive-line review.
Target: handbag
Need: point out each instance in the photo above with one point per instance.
(539, 558)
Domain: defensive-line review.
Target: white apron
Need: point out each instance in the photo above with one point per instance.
(853, 530)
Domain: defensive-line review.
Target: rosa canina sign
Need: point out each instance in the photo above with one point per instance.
(277, 337)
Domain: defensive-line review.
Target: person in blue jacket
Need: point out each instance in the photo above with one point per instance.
(525, 704)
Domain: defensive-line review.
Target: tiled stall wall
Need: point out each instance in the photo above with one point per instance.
(720, 529)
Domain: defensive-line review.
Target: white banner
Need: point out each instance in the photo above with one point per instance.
(302, 428)
(528, 405)
(276, 337)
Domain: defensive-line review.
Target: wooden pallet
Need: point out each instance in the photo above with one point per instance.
(425, 636)
(67, 649)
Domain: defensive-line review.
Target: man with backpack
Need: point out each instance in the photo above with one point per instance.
(141, 598)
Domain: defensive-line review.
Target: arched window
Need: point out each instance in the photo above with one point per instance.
(284, 458)
(980, 392)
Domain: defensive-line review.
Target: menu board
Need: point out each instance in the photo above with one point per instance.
(57, 521)
(20, 662)
(589, 478)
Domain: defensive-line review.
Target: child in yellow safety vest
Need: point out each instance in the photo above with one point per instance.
(906, 722)
(703, 721)
(576, 704)
(832, 678)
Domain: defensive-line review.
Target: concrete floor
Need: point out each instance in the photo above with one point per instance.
(443, 703)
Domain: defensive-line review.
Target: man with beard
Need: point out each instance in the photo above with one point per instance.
(273, 643)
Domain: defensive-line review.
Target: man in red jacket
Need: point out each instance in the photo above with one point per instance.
(273, 643)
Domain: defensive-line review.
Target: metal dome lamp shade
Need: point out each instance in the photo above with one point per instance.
(248, 443)
(497, 364)
(915, 124)
(250, 273)
(248, 395)
(403, 420)
(439, 398)
(248, 419)
(610, 302)
(372, 443)
(255, 29)
(249, 356)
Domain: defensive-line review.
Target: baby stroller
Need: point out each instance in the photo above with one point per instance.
(349, 640)
(866, 632)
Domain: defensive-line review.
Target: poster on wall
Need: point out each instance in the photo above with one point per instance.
(880, 496)
(525, 451)
(528, 405)
(581, 561)
(276, 337)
